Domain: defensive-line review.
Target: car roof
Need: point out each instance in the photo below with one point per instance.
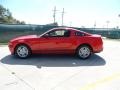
(71, 29)
(66, 28)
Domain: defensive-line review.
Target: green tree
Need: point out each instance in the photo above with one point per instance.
(6, 17)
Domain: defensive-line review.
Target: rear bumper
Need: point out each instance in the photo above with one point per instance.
(98, 45)
(98, 49)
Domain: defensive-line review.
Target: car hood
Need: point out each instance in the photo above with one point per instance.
(24, 37)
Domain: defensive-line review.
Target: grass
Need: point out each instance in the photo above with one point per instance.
(3, 43)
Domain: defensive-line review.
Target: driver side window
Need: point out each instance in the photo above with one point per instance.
(59, 33)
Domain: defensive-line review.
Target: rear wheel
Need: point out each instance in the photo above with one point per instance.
(22, 51)
(84, 52)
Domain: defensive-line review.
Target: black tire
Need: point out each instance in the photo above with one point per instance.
(22, 51)
(84, 52)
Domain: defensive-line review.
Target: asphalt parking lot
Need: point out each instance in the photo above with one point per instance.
(100, 72)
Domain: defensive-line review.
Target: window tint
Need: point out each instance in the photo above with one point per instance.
(79, 34)
(67, 33)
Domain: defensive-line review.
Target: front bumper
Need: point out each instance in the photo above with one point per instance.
(11, 47)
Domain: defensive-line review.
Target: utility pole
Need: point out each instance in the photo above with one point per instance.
(118, 22)
(62, 17)
(107, 24)
(70, 24)
(94, 24)
(54, 14)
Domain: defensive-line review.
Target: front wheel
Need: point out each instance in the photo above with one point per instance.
(22, 51)
(84, 52)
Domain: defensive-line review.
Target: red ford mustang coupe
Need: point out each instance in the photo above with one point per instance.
(57, 41)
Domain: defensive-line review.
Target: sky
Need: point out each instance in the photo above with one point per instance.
(78, 13)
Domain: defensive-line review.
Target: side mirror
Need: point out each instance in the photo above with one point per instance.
(46, 35)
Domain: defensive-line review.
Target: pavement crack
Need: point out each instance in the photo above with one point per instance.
(11, 83)
(19, 78)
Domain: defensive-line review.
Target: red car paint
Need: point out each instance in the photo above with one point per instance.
(58, 45)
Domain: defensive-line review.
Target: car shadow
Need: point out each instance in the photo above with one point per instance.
(54, 61)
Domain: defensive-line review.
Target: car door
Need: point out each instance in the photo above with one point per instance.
(56, 41)
(63, 41)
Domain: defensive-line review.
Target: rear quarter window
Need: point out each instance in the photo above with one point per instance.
(79, 34)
